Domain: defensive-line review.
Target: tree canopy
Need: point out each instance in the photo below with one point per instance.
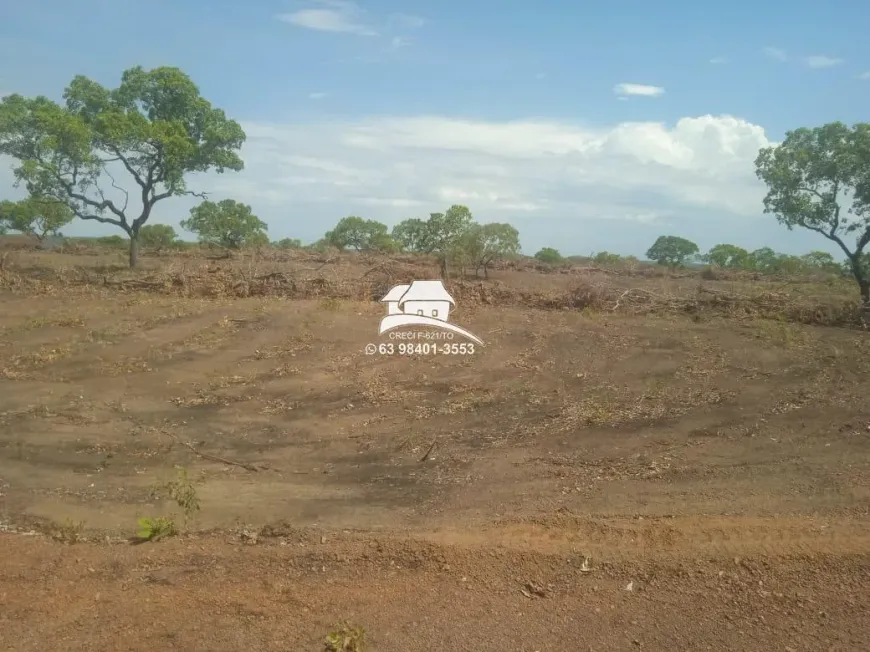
(35, 216)
(819, 179)
(672, 250)
(549, 255)
(227, 223)
(483, 244)
(354, 232)
(158, 236)
(154, 128)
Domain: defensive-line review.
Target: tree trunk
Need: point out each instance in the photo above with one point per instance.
(864, 286)
(442, 262)
(134, 250)
(485, 272)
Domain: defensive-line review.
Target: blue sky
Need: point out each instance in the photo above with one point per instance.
(390, 110)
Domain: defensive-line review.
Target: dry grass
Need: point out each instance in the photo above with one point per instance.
(333, 278)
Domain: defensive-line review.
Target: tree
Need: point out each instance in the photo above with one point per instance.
(762, 260)
(821, 260)
(289, 243)
(158, 236)
(155, 128)
(672, 250)
(227, 223)
(727, 255)
(549, 255)
(483, 244)
(445, 231)
(413, 235)
(354, 232)
(35, 216)
(819, 179)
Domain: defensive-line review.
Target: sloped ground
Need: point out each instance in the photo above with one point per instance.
(720, 466)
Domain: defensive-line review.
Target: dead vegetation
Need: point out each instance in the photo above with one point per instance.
(332, 278)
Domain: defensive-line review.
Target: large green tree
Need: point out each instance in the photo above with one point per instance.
(35, 216)
(727, 255)
(413, 235)
(672, 250)
(445, 232)
(226, 223)
(154, 128)
(819, 179)
(483, 244)
(354, 232)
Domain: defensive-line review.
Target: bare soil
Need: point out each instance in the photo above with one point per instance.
(589, 479)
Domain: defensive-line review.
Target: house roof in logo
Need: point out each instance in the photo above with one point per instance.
(395, 293)
(427, 291)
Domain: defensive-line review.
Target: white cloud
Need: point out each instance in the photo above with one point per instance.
(821, 61)
(317, 96)
(399, 42)
(719, 60)
(343, 17)
(638, 89)
(775, 53)
(632, 170)
(864, 75)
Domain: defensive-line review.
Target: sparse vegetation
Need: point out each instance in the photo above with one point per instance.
(346, 638)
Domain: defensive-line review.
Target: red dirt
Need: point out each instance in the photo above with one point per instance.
(719, 466)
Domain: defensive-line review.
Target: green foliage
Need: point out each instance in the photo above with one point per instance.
(672, 250)
(442, 234)
(158, 236)
(182, 491)
(156, 528)
(227, 223)
(483, 244)
(354, 232)
(727, 256)
(412, 235)
(289, 243)
(35, 216)
(549, 255)
(155, 127)
(346, 638)
(819, 179)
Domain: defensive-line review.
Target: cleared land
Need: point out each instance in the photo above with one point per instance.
(703, 442)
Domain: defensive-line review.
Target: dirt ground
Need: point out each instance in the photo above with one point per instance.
(587, 480)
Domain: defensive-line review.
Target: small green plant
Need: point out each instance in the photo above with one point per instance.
(154, 529)
(182, 491)
(346, 638)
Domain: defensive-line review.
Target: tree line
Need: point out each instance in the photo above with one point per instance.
(157, 129)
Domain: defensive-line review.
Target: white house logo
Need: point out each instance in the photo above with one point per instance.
(422, 303)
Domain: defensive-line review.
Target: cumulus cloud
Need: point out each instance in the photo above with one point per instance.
(340, 16)
(863, 75)
(317, 96)
(775, 53)
(822, 61)
(523, 167)
(719, 60)
(638, 89)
